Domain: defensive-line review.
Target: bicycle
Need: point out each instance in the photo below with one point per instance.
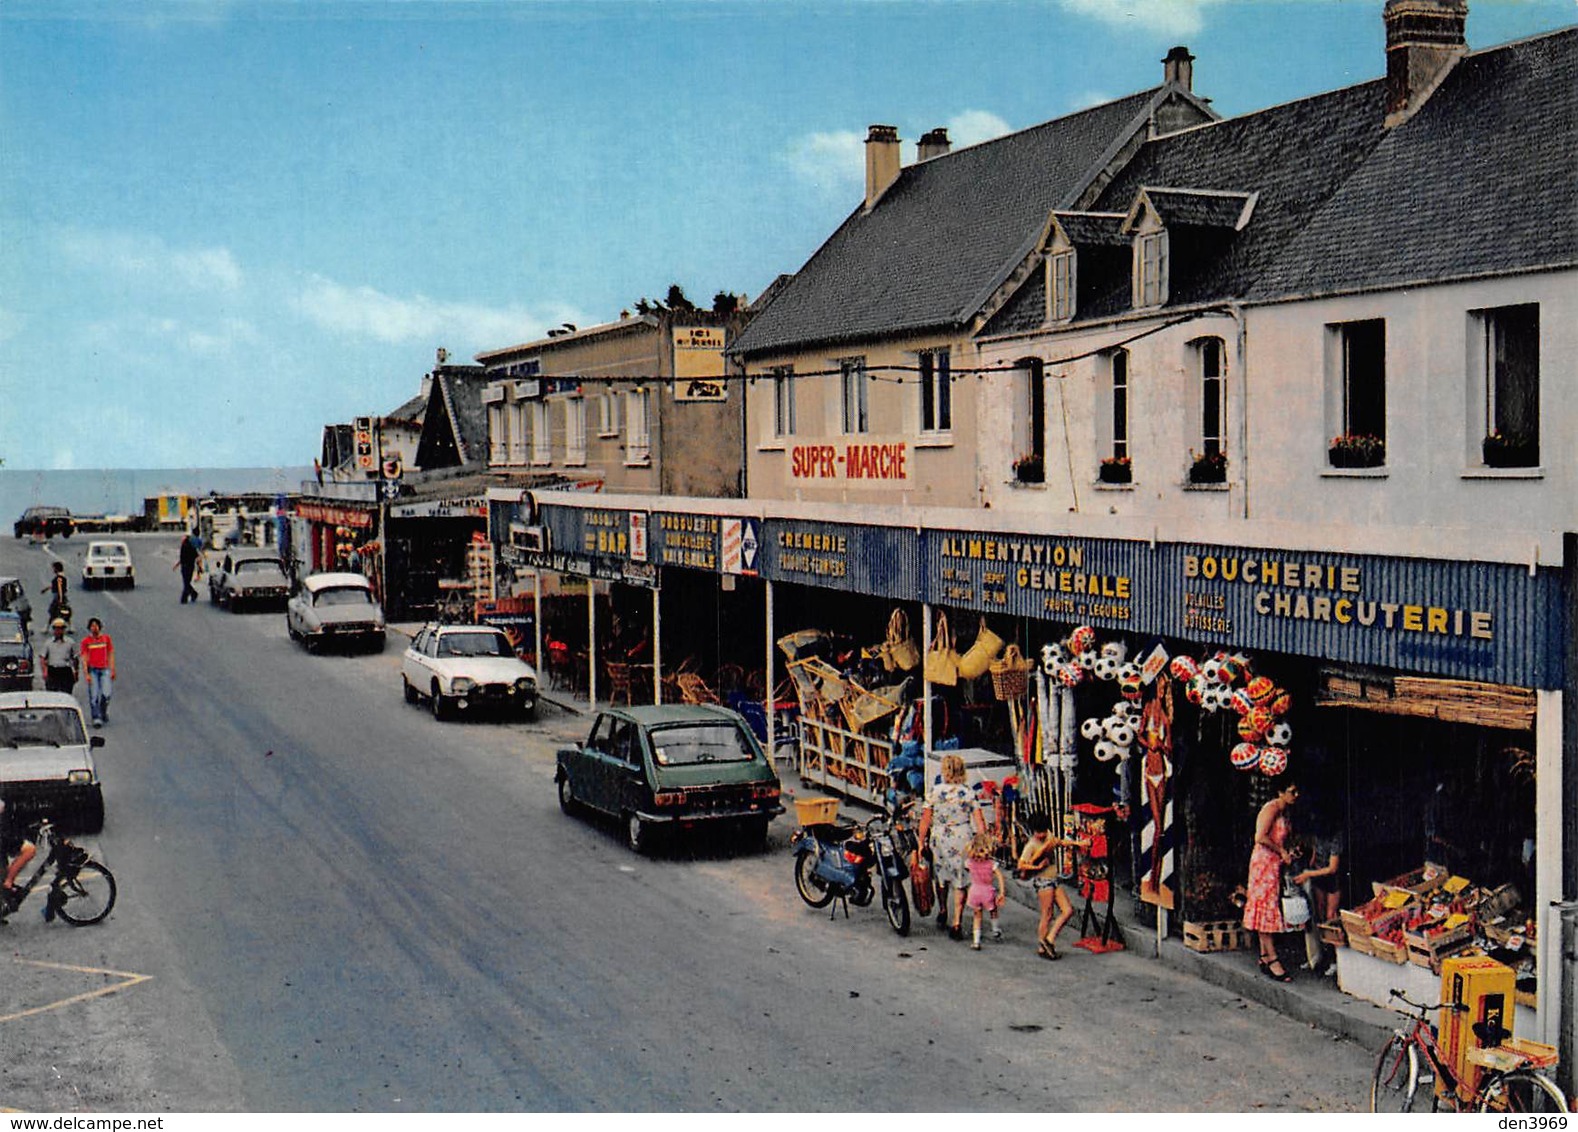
(1411, 1062)
(81, 892)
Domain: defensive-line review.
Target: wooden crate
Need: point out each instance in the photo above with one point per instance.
(1428, 950)
(1216, 935)
(1332, 932)
(1386, 949)
(1372, 918)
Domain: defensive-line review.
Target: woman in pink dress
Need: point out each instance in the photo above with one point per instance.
(1263, 908)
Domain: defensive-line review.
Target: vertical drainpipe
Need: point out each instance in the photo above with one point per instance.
(1566, 919)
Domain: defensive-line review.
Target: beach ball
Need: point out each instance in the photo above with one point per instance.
(1183, 667)
(1070, 675)
(1091, 728)
(1131, 688)
(1118, 732)
(1193, 692)
(1081, 639)
(1240, 701)
(1245, 756)
(1280, 702)
(1280, 735)
(1273, 761)
(1105, 752)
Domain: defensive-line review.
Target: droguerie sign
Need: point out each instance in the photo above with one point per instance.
(868, 462)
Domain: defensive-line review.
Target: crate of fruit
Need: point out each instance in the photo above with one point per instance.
(1378, 917)
(1420, 883)
(1429, 943)
(1215, 935)
(1389, 947)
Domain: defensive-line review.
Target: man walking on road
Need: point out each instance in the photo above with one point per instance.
(58, 659)
(189, 561)
(98, 669)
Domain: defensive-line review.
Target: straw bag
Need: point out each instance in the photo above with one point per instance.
(942, 659)
(1011, 674)
(973, 664)
(900, 653)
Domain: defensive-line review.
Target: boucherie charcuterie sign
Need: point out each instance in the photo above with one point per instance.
(852, 462)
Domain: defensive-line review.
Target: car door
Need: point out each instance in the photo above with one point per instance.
(626, 771)
(411, 661)
(591, 778)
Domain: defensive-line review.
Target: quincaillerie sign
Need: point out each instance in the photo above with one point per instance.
(1473, 620)
(1101, 582)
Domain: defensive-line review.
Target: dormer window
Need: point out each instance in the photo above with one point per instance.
(1060, 286)
(1150, 270)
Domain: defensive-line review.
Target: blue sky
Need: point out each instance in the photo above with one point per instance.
(224, 224)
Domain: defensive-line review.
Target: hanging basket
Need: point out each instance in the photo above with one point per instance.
(1011, 674)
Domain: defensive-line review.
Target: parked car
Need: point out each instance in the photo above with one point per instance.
(467, 668)
(246, 579)
(46, 762)
(16, 654)
(45, 522)
(107, 564)
(337, 608)
(671, 767)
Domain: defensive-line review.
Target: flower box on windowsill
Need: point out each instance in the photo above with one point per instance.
(1030, 469)
(1210, 468)
(1356, 451)
(1117, 469)
(1509, 452)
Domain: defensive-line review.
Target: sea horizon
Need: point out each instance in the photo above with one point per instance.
(121, 491)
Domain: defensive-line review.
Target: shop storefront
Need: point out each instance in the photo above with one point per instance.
(1416, 701)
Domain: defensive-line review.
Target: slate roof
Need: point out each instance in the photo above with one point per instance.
(457, 434)
(944, 234)
(1198, 209)
(1482, 179)
(1093, 229)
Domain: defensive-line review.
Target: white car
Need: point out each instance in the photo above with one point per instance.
(250, 579)
(337, 608)
(467, 667)
(107, 564)
(46, 762)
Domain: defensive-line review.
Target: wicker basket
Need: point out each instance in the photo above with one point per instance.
(1011, 674)
(815, 811)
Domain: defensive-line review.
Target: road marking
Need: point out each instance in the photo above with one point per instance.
(131, 980)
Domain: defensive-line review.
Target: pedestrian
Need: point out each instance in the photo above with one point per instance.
(98, 669)
(57, 660)
(1322, 884)
(952, 815)
(1038, 865)
(987, 888)
(189, 560)
(1263, 903)
(56, 589)
(15, 852)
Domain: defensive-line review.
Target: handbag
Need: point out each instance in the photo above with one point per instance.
(973, 664)
(920, 882)
(942, 659)
(900, 653)
(1295, 905)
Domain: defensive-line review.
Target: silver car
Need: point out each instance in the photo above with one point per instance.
(469, 668)
(338, 608)
(46, 762)
(248, 581)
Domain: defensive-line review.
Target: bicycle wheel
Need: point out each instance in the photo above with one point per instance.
(1522, 1090)
(812, 888)
(897, 906)
(87, 897)
(1395, 1086)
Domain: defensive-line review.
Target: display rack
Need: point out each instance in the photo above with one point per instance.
(840, 761)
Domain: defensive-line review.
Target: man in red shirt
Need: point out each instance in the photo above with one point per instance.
(98, 670)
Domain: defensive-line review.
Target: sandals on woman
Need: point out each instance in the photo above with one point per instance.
(1280, 974)
(1047, 951)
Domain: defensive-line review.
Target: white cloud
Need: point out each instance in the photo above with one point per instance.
(1163, 17)
(150, 258)
(834, 162)
(369, 313)
(972, 126)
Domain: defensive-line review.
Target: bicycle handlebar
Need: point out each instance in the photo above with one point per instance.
(1455, 1007)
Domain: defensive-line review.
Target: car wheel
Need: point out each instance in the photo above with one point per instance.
(410, 693)
(529, 710)
(234, 603)
(310, 644)
(754, 832)
(638, 834)
(439, 704)
(568, 802)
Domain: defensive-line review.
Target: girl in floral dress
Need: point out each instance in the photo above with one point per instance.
(1263, 907)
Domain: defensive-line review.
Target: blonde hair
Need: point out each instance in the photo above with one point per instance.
(953, 768)
(982, 846)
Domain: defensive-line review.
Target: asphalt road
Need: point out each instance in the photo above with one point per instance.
(331, 902)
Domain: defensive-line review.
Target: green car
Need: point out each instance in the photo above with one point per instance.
(671, 767)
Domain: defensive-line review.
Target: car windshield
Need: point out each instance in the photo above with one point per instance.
(258, 566)
(343, 595)
(11, 631)
(40, 727)
(474, 644)
(683, 744)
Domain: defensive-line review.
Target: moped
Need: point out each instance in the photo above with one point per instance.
(836, 862)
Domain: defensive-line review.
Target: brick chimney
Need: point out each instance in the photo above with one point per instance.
(882, 161)
(1178, 68)
(933, 143)
(1424, 38)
